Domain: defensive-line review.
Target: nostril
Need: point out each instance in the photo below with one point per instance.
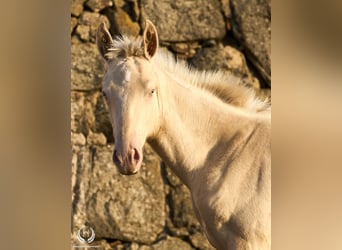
(116, 159)
(134, 156)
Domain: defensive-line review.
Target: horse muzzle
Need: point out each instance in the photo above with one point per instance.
(128, 163)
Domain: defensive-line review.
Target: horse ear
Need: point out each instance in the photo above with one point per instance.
(104, 40)
(150, 40)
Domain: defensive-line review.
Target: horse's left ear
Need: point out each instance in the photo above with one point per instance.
(104, 40)
(150, 40)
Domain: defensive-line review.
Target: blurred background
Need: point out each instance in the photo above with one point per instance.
(37, 157)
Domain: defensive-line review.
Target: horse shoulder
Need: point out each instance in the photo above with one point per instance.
(234, 206)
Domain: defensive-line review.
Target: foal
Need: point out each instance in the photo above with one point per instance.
(214, 134)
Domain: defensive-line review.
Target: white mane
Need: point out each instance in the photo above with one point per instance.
(226, 87)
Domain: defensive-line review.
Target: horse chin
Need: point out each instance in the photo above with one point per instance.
(129, 170)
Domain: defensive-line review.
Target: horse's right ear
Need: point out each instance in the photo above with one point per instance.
(104, 40)
(150, 40)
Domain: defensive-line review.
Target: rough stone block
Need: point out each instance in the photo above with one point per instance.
(88, 24)
(77, 7)
(89, 114)
(97, 5)
(251, 21)
(87, 67)
(179, 21)
(128, 208)
(226, 59)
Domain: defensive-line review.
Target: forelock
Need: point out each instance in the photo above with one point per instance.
(125, 46)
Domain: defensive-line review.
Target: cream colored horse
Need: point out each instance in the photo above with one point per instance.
(213, 132)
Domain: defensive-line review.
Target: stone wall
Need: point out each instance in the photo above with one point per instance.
(151, 210)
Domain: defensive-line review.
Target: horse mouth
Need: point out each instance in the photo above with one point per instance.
(127, 172)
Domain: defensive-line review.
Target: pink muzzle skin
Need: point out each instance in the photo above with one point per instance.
(128, 163)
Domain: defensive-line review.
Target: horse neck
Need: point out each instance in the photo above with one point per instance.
(193, 122)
